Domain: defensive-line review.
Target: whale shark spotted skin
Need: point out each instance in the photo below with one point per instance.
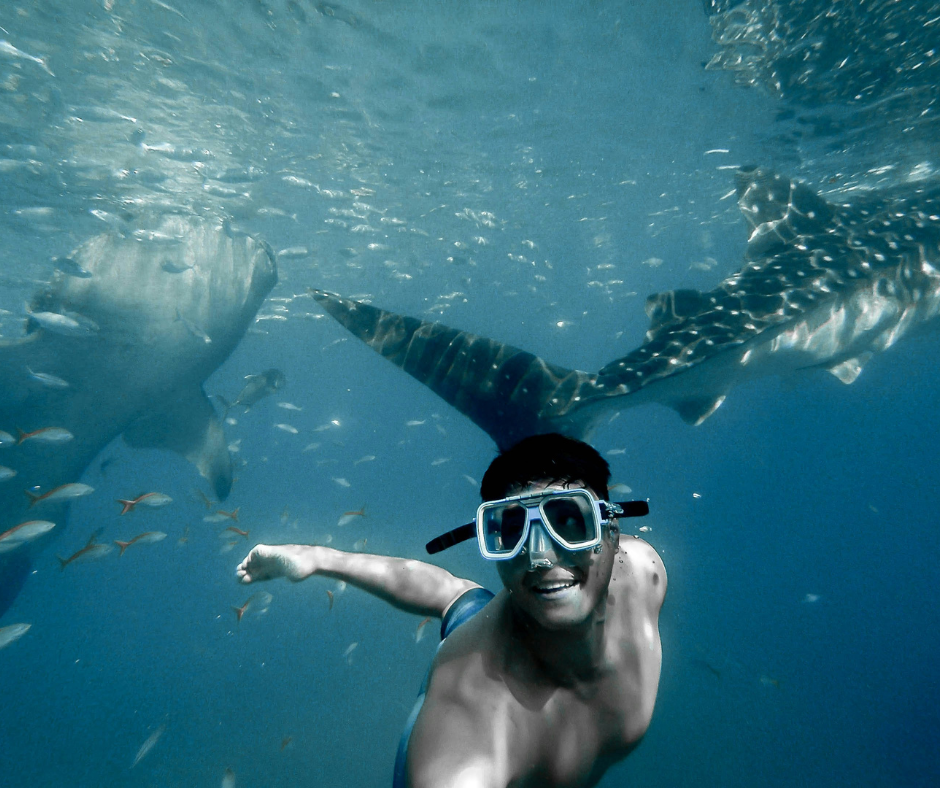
(138, 372)
(823, 285)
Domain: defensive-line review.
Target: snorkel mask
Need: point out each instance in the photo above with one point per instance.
(573, 518)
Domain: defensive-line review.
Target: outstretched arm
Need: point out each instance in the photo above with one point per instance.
(409, 585)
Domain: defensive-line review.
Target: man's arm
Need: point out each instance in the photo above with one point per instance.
(409, 585)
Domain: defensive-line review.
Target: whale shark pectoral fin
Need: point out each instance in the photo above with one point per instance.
(695, 411)
(14, 569)
(848, 371)
(190, 427)
(508, 392)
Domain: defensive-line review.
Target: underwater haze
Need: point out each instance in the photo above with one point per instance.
(176, 177)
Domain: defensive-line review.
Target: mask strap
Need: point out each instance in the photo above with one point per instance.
(458, 535)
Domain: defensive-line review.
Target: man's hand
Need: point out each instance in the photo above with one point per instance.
(266, 562)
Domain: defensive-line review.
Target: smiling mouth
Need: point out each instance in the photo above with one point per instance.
(549, 588)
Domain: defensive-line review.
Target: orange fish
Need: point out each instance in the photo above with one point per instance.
(285, 741)
(232, 514)
(45, 435)
(63, 492)
(348, 517)
(148, 537)
(235, 530)
(91, 550)
(330, 595)
(419, 632)
(151, 499)
(259, 599)
(20, 534)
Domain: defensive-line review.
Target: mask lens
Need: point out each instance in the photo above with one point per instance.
(503, 527)
(572, 518)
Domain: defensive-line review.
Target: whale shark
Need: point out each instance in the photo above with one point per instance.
(824, 285)
(120, 343)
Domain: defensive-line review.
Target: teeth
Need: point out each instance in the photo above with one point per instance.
(555, 586)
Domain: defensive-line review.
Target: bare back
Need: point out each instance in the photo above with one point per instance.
(494, 717)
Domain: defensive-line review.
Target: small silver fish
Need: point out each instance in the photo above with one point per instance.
(12, 633)
(148, 745)
(289, 406)
(175, 268)
(259, 386)
(47, 380)
(157, 237)
(6, 473)
(69, 325)
(341, 481)
(293, 253)
(6, 439)
(192, 328)
(228, 779)
(366, 458)
(6, 48)
(620, 489)
(287, 428)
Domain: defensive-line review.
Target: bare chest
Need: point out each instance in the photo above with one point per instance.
(576, 733)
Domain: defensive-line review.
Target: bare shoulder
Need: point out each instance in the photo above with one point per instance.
(466, 702)
(645, 567)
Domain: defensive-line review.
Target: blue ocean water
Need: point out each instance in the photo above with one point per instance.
(529, 172)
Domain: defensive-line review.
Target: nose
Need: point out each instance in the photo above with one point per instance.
(539, 545)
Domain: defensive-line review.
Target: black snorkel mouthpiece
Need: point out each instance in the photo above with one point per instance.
(469, 530)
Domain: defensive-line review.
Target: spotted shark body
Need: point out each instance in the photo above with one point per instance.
(156, 320)
(823, 285)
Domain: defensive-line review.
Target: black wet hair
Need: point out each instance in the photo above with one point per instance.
(550, 457)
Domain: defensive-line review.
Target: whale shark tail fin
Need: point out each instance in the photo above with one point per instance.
(189, 426)
(508, 392)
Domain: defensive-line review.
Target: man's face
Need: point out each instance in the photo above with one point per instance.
(555, 587)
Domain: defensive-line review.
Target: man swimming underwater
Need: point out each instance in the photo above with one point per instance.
(552, 680)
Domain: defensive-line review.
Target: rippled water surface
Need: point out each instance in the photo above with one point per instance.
(530, 172)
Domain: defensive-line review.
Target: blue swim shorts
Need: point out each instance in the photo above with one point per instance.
(460, 612)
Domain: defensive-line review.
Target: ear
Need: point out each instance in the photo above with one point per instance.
(614, 530)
